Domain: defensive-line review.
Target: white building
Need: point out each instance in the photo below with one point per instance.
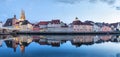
(54, 24)
(96, 28)
(43, 24)
(118, 27)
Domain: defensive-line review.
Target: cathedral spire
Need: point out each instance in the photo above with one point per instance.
(22, 17)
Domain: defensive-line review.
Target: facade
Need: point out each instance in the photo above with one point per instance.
(10, 23)
(106, 28)
(79, 26)
(43, 24)
(36, 28)
(57, 26)
(23, 24)
(26, 26)
(96, 28)
(118, 27)
(54, 24)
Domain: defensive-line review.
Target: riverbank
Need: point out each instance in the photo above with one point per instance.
(64, 33)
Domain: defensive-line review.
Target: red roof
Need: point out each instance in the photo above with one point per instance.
(55, 22)
(43, 23)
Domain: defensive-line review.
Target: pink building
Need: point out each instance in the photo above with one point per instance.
(79, 26)
(105, 38)
(106, 28)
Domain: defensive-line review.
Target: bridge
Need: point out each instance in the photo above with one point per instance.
(6, 30)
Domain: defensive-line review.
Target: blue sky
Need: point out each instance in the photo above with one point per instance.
(65, 10)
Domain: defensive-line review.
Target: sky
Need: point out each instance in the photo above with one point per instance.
(107, 11)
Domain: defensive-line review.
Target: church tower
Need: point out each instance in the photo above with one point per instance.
(22, 17)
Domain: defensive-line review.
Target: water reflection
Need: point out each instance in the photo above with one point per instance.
(24, 41)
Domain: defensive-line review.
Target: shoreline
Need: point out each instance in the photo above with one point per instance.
(65, 33)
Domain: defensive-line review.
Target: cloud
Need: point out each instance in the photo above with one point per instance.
(118, 8)
(91, 1)
(110, 2)
(69, 1)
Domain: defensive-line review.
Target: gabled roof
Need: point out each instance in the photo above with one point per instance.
(81, 23)
(25, 22)
(43, 23)
(8, 22)
(55, 21)
(114, 24)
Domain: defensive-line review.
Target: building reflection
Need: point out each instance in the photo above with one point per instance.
(22, 41)
(80, 40)
(56, 41)
(1, 43)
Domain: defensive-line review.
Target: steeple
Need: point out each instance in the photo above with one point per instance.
(22, 17)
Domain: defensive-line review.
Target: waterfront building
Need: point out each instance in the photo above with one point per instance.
(96, 28)
(54, 23)
(36, 27)
(105, 28)
(23, 24)
(10, 23)
(57, 26)
(26, 26)
(43, 25)
(118, 27)
(115, 26)
(79, 26)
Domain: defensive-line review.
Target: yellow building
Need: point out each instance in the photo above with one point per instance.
(22, 24)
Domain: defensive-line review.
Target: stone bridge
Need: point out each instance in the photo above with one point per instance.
(6, 30)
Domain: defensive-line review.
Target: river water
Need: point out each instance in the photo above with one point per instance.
(60, 46)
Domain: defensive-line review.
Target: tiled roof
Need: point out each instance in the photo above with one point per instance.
(77, 22)
(8, 22)
(114, 24)
(43, 23)
(55, 21)
(35, 25)
(25, 22)
(81, 23)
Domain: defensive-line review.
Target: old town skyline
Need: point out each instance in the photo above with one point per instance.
(99, 11)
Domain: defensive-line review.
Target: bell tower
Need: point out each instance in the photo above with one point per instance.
(22, 17)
